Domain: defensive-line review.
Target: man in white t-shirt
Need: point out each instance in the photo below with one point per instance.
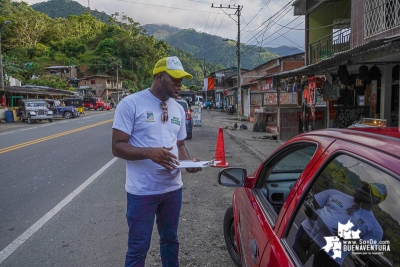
(331, 207)
(148, 132)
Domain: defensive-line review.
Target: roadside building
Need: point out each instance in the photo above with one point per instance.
(350, 69)
(103, 86)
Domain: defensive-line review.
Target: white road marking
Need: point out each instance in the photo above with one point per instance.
(7, 251)
(27, 129)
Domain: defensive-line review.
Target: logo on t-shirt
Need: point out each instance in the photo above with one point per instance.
(337, 202)
(176, 121)
(150, 116)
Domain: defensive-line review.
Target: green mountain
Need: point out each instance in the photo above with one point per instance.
(215, 49)
(63, 8)
(284, 50)
(202, 46)
(160, 31)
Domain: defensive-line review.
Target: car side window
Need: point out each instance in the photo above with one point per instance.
(349, 217)
(282, 173)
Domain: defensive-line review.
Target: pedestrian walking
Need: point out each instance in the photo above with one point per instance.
(148, 132)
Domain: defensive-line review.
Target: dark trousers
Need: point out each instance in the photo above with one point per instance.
(141, 211)
(305, 247)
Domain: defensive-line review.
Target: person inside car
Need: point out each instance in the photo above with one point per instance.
(331, 207)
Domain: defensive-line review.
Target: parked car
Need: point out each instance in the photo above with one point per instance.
(95, 103)
(33, 109)
(187, 95)
(189, 122)
(77, 102)
(368, 122)
(60, 111)
(199, 101)
(323, 198)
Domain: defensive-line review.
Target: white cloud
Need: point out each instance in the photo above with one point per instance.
(199, 15)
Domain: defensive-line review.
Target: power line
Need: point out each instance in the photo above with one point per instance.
(154, 5)
(239, 80)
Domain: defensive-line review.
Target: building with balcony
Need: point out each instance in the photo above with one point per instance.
(351, 65)
(66, 72)
(102, 86)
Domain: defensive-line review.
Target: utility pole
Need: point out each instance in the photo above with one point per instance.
(239, 82)
(1, 59)
(116, 69)
(204, 76)
(88, 7)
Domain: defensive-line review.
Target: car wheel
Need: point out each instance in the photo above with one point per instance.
(67, 115)
(101, 108)
(230, 238)
(21, 118)
(189, 136)
(50, 120)
(30, 121)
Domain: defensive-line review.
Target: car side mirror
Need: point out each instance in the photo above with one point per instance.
(232, 177)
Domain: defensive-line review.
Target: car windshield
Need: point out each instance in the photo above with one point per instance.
(34, 104)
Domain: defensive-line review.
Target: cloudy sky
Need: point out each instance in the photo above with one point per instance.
(263, 22)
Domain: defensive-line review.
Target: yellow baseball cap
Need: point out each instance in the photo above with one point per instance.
(172, 66)
(378, 190)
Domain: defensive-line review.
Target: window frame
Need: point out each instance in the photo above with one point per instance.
(267, 208)
(284, 240)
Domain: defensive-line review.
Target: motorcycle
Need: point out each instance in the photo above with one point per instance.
(230, 109)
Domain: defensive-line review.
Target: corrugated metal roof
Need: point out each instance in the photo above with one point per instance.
(59, 67)
(38, 90)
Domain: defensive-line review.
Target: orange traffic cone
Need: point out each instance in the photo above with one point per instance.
(220, 151)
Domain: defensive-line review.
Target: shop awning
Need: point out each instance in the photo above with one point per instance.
(229, 93)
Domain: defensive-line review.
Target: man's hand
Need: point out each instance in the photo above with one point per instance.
(164, 157)
(194, 170)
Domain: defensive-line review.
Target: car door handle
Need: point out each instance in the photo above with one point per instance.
(254, 250)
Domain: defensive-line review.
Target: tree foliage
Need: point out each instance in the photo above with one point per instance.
(34, 40)
(73, 48)
(63, 8)
(50, 81)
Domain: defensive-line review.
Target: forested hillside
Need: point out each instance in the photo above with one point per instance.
(216, 49)
(33, 41)
(64, 8)
(63, 33)
(202, 46)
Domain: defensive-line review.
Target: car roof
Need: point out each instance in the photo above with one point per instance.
(183, 103)
(384, 139)
(32, 99)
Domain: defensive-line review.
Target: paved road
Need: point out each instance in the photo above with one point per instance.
(91, 229)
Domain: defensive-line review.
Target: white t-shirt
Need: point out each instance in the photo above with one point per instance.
(139, 115)
(334, 205)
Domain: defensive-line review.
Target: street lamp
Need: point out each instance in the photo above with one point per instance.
(1, 58)
(116, 69)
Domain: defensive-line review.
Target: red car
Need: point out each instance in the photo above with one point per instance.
(324, 198)
(95, 103)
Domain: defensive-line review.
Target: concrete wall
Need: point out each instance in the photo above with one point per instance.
(321, 19)
(271, 99)
(289, 122)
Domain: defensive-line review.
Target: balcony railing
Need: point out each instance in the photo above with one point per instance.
(326, 47)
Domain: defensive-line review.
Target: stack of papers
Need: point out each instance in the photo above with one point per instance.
(196, 164)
